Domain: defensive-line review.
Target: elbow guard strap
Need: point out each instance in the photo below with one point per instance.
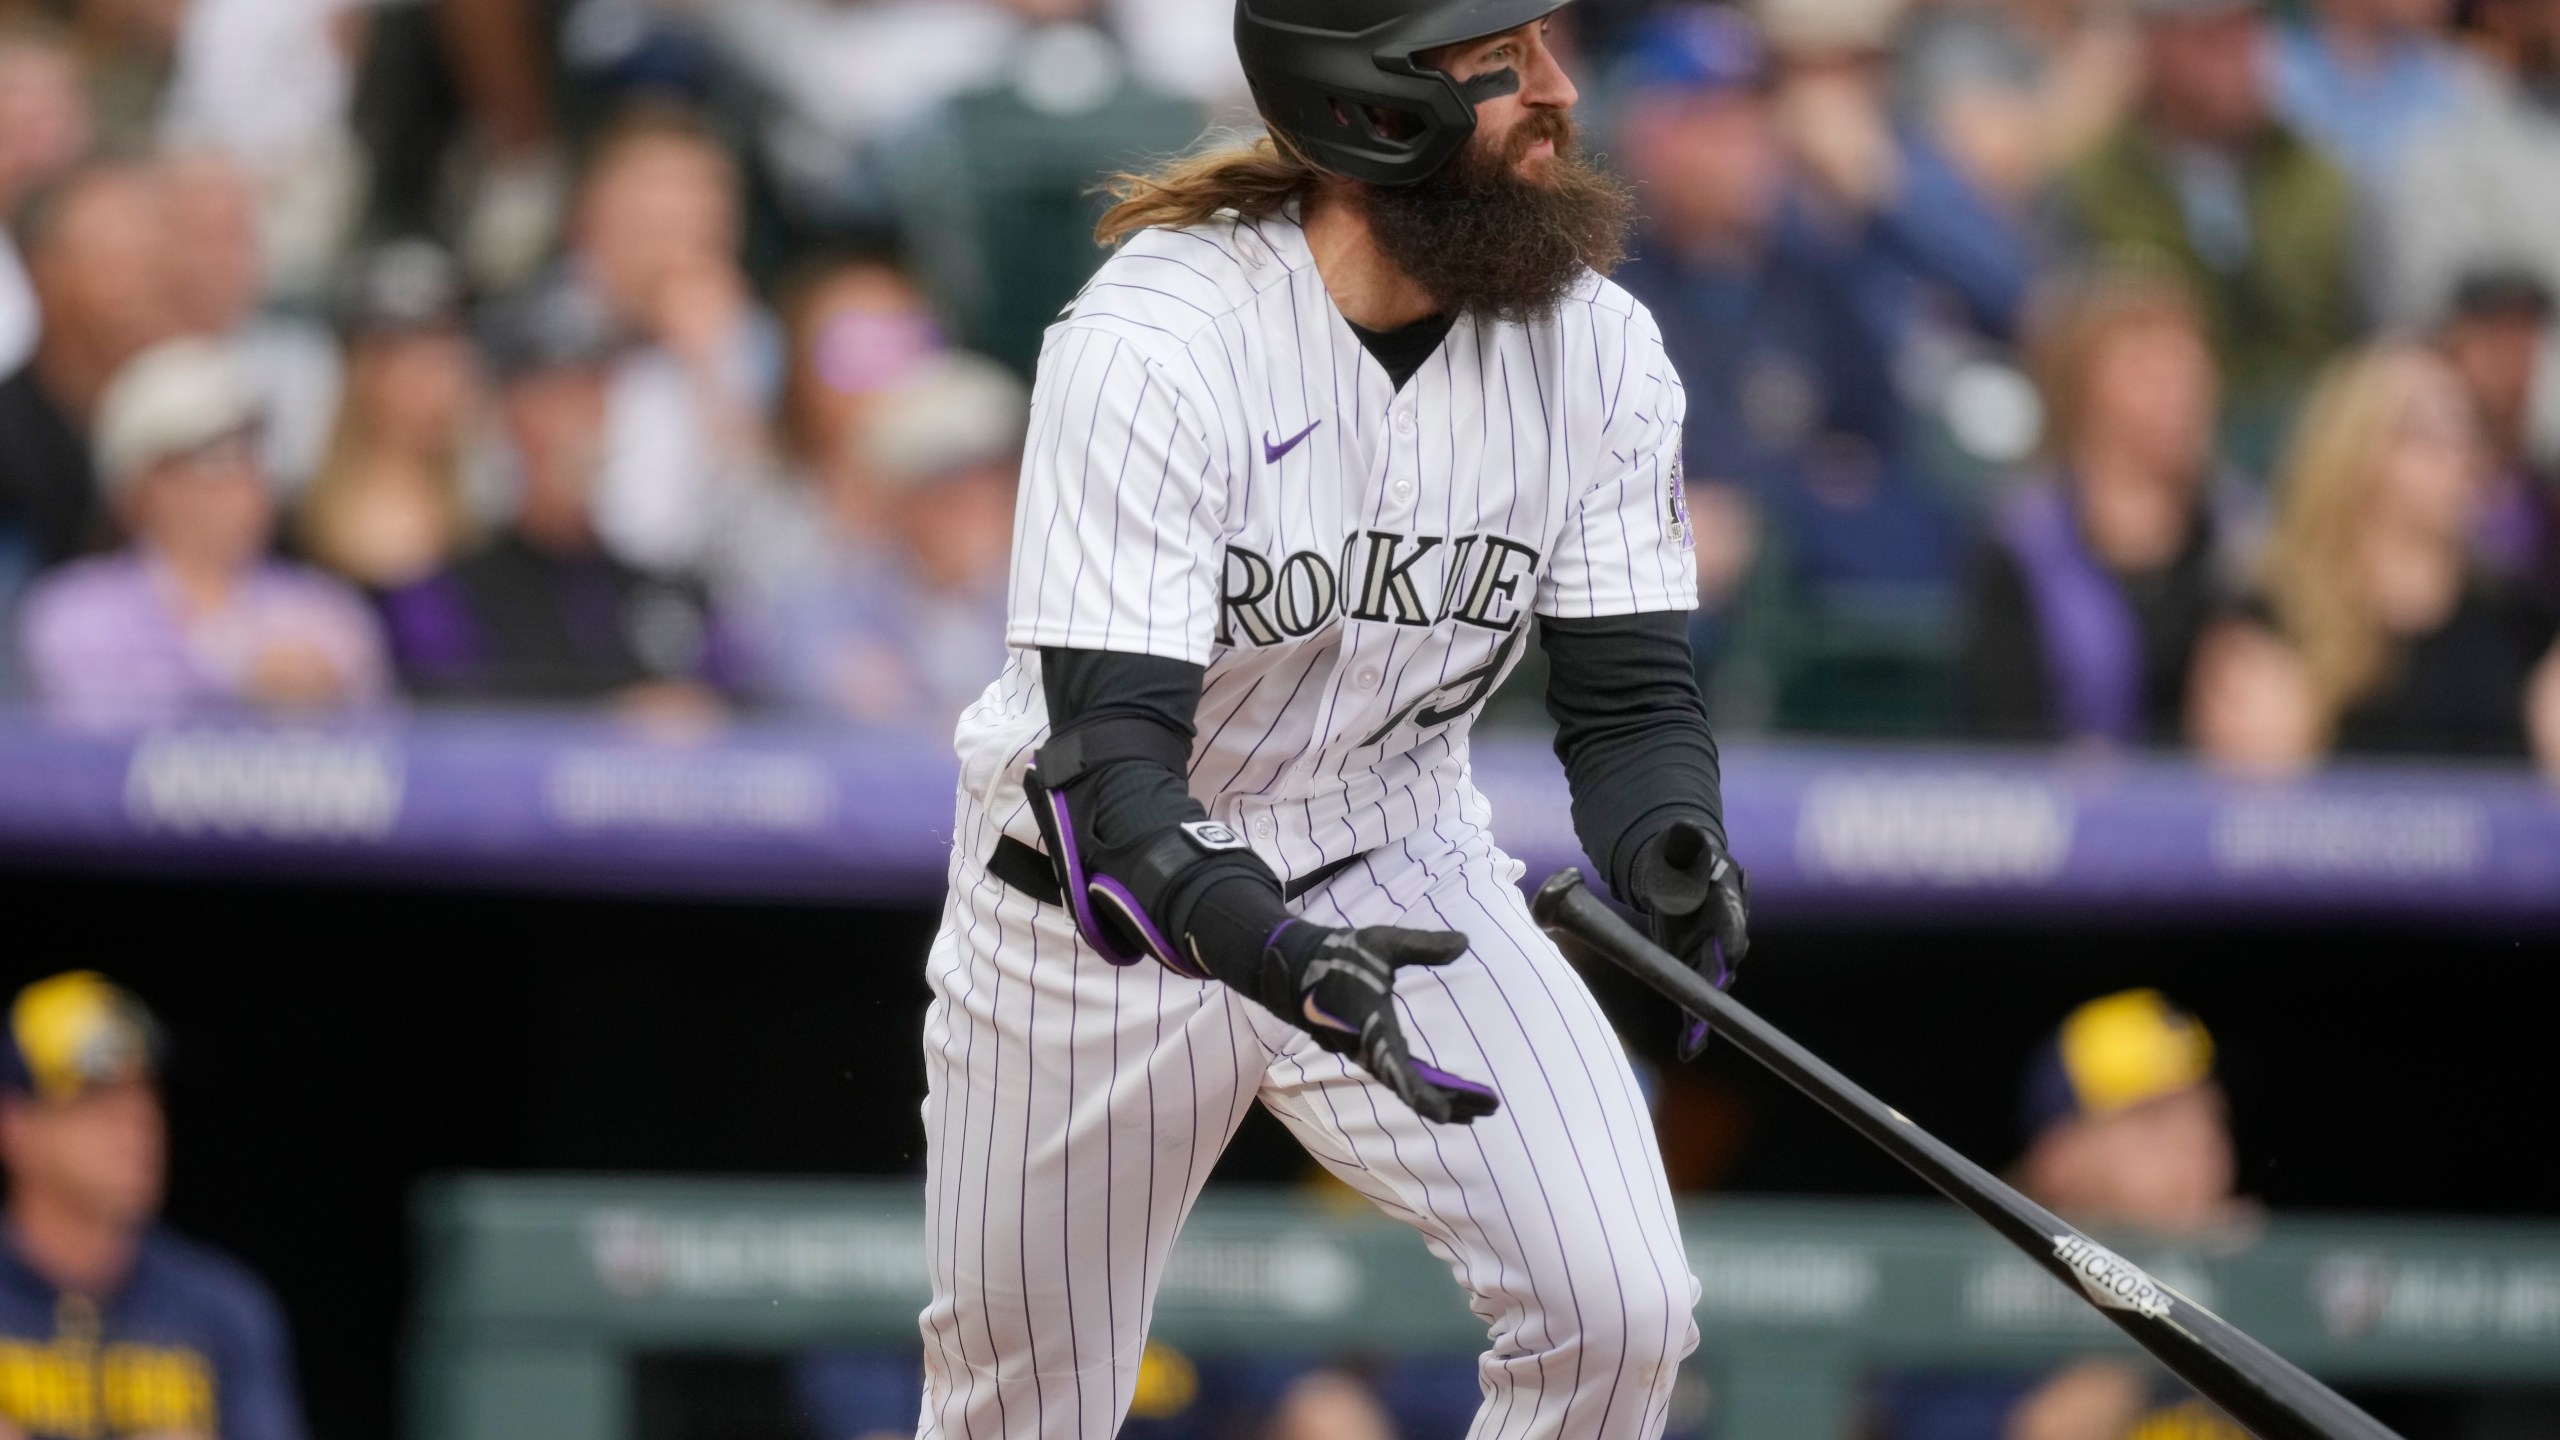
(1116, 889)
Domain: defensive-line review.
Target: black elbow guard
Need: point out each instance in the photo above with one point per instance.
(1129, 846)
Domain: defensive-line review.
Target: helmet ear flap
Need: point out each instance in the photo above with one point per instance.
(1375, 123)
(1380, 138)
(1342, 78)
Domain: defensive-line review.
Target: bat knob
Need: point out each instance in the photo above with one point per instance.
(1547, 906)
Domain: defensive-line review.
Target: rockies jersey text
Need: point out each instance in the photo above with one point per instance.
(1218, 472)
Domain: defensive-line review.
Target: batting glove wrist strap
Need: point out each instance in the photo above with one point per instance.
(1698, 902)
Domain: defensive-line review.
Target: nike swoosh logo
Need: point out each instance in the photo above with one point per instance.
(1272, 454)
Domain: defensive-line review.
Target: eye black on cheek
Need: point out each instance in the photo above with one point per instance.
(1490, 86)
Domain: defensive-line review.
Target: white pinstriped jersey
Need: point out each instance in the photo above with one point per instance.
(1218, 472)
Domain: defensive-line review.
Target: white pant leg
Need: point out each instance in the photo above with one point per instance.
(1073, 1110)
(1554, 1214)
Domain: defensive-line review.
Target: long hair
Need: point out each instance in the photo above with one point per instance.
(1255, 178)
(326, 513)
(2314, 575)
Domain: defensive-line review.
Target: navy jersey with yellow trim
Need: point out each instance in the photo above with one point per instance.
(192, 1345)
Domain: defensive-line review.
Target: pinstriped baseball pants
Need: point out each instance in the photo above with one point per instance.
(1075, 1108)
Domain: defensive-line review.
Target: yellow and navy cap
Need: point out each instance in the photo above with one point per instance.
(74, 1033)
(2112, 1054)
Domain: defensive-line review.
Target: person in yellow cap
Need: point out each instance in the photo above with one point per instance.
(111, 1325)
(2126, 1128)
(2125, 1122)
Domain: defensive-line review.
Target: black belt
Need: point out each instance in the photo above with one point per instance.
(1028, 871)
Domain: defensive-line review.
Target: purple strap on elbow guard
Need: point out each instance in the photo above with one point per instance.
(1108, 889)
(1080, 891)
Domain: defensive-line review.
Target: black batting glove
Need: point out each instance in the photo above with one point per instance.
(1339, 986)
(1699, 903)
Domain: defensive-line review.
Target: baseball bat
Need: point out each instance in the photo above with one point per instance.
(2253, 1384)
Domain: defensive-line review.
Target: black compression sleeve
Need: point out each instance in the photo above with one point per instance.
(1084, 686)
(1632, 732)
(1224, 908)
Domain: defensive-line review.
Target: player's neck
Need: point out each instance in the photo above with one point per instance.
(1369, 290)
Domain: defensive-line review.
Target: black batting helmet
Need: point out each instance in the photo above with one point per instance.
(1339, 77)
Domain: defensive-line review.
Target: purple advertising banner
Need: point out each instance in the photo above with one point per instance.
(765, 811)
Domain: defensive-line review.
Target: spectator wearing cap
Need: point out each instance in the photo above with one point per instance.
(2479, 194)
(2205, 181)
(2127, 1128)
(905, 634)
(2499, 340)
(543, 612)
(93, 246)
(144, 1333)
(2362, 78)
(387, 508)
(2105, 564)
(193, 617)
(2125, 1123)
(1791, 233)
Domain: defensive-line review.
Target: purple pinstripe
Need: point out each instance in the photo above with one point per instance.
(1572, 1353)
(1173, 351)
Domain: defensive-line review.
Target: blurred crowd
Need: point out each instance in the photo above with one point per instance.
(2103, 373)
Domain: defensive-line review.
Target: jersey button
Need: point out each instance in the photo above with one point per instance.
(1404, 422)
(1262, 827)
(1367, 679)
(1403, 489)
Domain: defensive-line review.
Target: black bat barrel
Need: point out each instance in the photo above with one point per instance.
(2262, 1390)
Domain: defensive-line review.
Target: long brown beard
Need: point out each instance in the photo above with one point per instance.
(1485, 240)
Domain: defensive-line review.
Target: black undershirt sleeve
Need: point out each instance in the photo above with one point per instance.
(1631, 729)
(1223, 909)
(1086, 688)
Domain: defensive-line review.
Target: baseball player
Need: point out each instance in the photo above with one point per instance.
(1347, 414)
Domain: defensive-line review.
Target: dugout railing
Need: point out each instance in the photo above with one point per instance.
(539, 1295)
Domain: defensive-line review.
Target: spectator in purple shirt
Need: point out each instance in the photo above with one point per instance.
(193, 617)
(2107, 562)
